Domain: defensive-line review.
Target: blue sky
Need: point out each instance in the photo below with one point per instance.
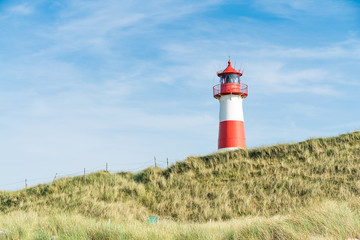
(83, 83)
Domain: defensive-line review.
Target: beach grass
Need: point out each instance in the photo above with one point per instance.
(305, 190)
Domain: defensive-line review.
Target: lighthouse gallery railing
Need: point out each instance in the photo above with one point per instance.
(230, 88)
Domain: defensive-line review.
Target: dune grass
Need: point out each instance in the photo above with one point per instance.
(269, 190)
(330, 220)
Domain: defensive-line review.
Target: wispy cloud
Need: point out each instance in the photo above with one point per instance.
(297, 8)
(21, 9)
(98, 26)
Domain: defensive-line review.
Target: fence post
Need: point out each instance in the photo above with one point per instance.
(25, 183)
(55, 177)
(167, 162)
(107, 169)
(155, 162)
(84, 175)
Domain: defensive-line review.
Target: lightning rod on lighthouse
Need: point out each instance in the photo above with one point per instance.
(230, 93)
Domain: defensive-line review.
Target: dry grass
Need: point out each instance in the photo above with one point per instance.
(259, 183)
(331, 220)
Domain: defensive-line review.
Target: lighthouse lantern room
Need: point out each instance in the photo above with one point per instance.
(230, 93)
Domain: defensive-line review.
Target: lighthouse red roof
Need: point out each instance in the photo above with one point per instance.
(229, 70)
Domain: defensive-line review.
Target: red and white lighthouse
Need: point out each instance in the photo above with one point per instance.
(231, 92)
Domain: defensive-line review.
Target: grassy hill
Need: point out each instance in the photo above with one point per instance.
(266, 182)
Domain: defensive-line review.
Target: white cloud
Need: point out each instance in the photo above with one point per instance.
(297, 9)
(97, 26)
(348, 49)
(271, 78)
(311, 70)
(21, 9)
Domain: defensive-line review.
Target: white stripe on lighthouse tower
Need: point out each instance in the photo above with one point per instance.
(231, 108)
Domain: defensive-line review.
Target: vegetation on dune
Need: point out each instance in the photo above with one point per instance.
(259, 184)
(330, 220)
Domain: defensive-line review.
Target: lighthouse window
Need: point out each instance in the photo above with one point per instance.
(223, 79)
(229, 78)
(235, 78)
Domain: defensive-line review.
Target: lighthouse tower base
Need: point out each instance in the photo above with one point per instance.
(229, 149)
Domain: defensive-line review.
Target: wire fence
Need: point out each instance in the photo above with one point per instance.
(111, 168)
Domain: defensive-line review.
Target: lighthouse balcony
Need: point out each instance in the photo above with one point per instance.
(230, 88)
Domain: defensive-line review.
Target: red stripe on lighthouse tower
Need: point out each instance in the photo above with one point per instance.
(230, 93)
(231, 135)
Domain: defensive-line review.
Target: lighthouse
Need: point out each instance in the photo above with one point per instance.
(230, 93)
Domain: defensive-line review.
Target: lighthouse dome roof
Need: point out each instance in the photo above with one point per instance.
(229, 70)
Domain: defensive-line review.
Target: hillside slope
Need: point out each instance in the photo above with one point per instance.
(263, 181)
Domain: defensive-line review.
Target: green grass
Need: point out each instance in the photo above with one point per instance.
(263, 193)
